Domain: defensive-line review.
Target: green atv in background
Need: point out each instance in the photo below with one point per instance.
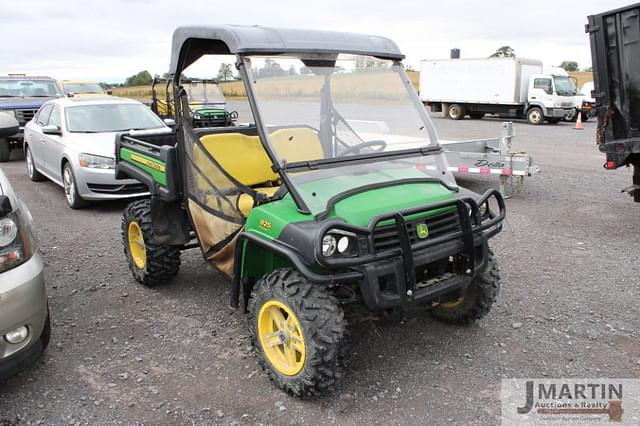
(206, 102)
(337, 197)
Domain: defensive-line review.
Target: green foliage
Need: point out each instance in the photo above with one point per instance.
(504, 52)
(141, 79)
(569, 65)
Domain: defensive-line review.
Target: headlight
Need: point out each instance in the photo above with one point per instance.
(11, 112)
(197, 116)
(8, 231)
(96, 162)
(328, 245)
(17, 242)
(339, 242)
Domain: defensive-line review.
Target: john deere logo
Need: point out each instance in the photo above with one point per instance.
(422, 230)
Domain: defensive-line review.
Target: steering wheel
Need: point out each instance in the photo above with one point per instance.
(367, 144)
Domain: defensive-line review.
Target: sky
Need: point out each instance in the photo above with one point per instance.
(109, 40)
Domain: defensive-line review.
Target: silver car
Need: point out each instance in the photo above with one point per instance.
(24, 316)
(71, 141)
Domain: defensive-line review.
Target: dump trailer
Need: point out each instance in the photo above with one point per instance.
(513, 87)
(615, 53)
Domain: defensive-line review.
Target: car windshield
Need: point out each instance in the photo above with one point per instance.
(203, 92)
(110, 118)
(564, 86)
(29, 88)
(338, 123)
(82, 88)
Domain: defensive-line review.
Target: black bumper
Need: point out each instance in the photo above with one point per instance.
(23, 359)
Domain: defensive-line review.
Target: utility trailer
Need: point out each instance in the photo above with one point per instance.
(493, 156)
(615, 53)
(488, 156)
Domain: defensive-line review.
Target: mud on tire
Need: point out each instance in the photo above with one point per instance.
(477, 298)
(162, 261)
(323, 326)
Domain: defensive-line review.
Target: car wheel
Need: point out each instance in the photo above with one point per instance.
(571, 116)
(71, 189)
(298, 333)
(456, 112)
(151, 263)
(535, 116)
(34, 174)
(5, 150)
(476, 300)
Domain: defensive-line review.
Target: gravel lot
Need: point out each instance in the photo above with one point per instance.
(122, 353)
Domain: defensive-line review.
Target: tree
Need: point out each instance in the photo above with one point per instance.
(225, 73)
(143, 78)
(569, 65)
(504, 52)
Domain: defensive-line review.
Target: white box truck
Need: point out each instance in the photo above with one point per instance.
(513, 87)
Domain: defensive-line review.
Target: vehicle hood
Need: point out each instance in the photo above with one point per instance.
(366, 202)
(102, 144)
(6, 189)
(22, 103)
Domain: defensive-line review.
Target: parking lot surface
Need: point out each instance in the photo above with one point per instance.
(123, 353)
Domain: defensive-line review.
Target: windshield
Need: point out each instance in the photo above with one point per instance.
(203, 93)
(336, 124)
(110, 118)
(564, 86)
(83, 88)
(29, 88)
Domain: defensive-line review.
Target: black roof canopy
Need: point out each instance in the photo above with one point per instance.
(192, 42)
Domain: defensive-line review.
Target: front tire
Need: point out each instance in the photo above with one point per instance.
(456, 112)
(5, 150)
(298, 333)
(151, 264)
(476, 300)
(34, 174)
(535, 116)
(74, 200)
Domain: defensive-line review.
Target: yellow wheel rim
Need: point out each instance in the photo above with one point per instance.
(453, 304)
(136, 245)
(281, 338)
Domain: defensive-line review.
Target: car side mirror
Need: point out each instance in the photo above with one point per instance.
(5, 205)
(170, 122)
(51, 129)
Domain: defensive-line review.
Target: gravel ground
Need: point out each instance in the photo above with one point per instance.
(122, 353)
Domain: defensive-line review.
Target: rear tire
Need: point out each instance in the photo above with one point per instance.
(151, 264)
(314, 333)
(5, 150)
(535, 116)
(34, 174)
(456, 112)
(476, 300)
(476, 115)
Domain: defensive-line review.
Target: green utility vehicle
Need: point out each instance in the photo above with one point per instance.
(206, 102)
(338, 197)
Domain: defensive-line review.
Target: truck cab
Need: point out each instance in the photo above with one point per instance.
(553, 93)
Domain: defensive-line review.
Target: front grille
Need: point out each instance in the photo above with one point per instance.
(132, 188)
(386, 237)
(24, 115)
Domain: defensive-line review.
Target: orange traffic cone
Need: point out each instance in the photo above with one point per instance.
(579, 125)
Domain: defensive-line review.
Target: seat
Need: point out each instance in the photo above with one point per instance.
(244, 158)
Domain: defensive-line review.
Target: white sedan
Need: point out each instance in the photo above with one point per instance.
(71, 141)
